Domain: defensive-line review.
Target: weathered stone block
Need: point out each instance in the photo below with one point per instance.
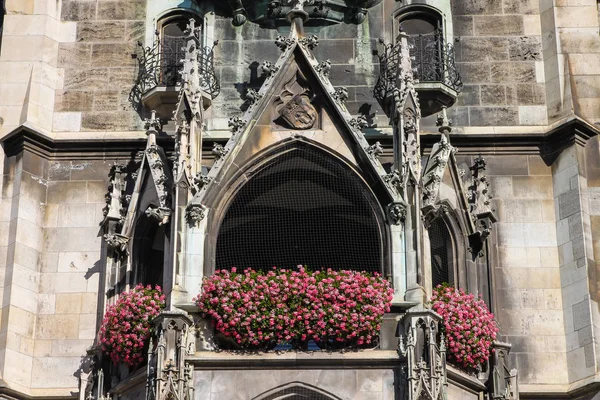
(75, 10)
(493, 95)
(532, 187)
(72, 100)
(470, 96)
(111, 121)
(68, 303)
(474, 72)
(513, 72)
(525, 48)
(134, 31)
(484, 49)
(463, 25)
(129, 9)
(520, 6)
(92, 78)
(113, 54)
(491, 116)
(469, 7)
(499, 25)
(74, 55)
(106, 31)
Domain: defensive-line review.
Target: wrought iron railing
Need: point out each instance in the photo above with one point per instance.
(432, 62)
(160, 65)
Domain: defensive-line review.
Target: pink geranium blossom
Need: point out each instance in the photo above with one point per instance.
(468, 324)
(284, 306)
(126, 327)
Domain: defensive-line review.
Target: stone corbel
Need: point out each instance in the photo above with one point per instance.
(159, 214)
(195, 213)
(117, 242)
(396, 213)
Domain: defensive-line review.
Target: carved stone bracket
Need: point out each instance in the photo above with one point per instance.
(423, 356)
(195, 213)
(394, 180)
(201, 180)
(117, 242)
(397, 213)
(159, 214)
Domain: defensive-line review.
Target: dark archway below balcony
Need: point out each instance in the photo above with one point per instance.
(304, 207)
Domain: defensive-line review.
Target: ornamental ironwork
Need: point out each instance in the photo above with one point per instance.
(432, 60)
(161, 64)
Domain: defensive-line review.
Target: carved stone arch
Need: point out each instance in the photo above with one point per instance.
(296, 391)
(220, 201)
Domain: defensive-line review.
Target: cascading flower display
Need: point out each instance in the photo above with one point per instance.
(257, 309)
(468, 324)
(126, 327)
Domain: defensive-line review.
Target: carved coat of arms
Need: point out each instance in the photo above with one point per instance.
(298, 112)
(294, 103)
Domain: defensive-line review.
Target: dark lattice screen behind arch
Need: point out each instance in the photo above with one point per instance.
(303, 208)
(442, 259)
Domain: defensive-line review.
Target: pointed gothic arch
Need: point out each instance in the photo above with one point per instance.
(296, 391)
(298, 203)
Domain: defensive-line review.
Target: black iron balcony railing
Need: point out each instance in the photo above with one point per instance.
(160, 65)
(432, 61)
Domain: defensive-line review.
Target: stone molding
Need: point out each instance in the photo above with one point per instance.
(548, 143)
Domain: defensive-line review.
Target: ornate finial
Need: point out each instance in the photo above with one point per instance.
(324, 67)
(340, 94)
(268, 68)
(201, 180)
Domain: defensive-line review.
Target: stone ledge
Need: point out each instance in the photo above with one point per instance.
(302, 360)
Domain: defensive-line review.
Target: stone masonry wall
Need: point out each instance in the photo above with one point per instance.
(526, 276)
(499, 55)
(99, 70)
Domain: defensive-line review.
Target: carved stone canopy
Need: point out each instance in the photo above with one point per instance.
(272, 13)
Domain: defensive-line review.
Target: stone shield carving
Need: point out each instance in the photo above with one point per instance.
(298, 112)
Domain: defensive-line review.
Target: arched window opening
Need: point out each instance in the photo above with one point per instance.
(304, 207)
(148, 252)
(442, 254)
(296, 391)
(425, 31)
(172, 44)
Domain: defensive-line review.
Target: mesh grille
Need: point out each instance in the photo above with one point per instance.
(297, 393)
(441, 253)
(173, 51)
(303, 208)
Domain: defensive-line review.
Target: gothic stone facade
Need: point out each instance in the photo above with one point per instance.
(529, 104)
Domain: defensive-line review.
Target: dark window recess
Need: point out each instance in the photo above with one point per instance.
(173, 43)
(149, 252)
(303, 208)
(442, 268)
